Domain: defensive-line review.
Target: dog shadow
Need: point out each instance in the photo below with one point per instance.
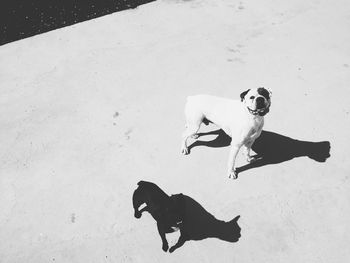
(199, 224)
(221, 140)
(272, 148)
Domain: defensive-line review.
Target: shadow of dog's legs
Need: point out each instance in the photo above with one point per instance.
(161, 231)
(273, 148)
(179, 243)
(222, 140)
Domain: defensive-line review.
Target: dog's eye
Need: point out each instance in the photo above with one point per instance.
(252, 97)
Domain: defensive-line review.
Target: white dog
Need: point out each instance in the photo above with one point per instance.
(242, 120)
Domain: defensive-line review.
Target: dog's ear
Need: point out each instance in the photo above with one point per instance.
(141, 183)
(243, 94)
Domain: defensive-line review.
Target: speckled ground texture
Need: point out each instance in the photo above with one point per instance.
(90, 109)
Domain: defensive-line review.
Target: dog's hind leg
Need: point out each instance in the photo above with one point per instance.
(190, 131)
(161, 232)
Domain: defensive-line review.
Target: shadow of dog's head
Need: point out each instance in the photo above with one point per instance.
(138, 199)
(149, 197)
(168, 211)
(257, 100)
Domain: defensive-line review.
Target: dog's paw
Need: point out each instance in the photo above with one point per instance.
(165, 247)
(172, 249)
(185, 151)
(233, 174)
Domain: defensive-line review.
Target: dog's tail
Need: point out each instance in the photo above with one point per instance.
(235, 219)
(235, 228)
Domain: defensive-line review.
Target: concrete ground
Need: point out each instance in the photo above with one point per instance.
(89, 110)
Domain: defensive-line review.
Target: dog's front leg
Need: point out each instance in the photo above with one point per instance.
(161, 232)
(179, 243)
(232, 171)
(249, 157)
(249, 145)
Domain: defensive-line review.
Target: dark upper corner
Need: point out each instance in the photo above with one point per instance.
(20, 19)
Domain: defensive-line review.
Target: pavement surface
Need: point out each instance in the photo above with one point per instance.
(89, 110)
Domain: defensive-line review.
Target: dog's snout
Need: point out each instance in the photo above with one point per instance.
(260, 102)
(137, 214)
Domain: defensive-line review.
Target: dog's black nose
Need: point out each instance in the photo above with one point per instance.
(137, 214)
(260, 102)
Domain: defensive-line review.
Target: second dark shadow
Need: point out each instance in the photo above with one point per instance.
(199, 224)
(272, 148)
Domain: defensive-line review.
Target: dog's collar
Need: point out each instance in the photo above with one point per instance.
(260, 112)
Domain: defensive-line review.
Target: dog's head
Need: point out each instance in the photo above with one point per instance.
(257, 101)
(148, 197)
